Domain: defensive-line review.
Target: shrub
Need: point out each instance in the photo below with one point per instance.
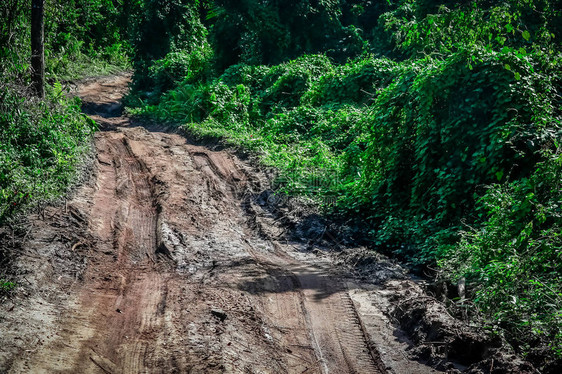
(444, 128)
(512, 261)
(42, 145)
(181, 66)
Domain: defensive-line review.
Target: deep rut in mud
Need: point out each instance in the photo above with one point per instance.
(175, 276)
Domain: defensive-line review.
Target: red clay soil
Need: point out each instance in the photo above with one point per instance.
(156, 264)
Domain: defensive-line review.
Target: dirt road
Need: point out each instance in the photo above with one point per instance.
(161, 263)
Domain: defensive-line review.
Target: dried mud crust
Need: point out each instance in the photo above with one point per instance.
(165, 262)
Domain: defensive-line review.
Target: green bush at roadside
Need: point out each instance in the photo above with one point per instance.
(43, 144)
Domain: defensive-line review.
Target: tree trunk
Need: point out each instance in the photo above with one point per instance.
(37, 48)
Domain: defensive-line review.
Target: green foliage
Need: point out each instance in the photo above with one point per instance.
(6, 286)
(43, 142)
(358, 81)
(256, 32)
(180, 66)
(92, 23)
(443, 128)
(82, 38)
(168, 32)
(441, 27)
(513, 259)
(42, 145)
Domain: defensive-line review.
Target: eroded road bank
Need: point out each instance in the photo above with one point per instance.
(161, 262)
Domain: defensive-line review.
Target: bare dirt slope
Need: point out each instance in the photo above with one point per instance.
(159, 264)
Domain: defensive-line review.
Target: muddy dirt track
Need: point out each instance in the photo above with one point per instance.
(161, 262)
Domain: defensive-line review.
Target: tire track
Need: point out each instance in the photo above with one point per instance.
(120, 333)
(329, 312)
